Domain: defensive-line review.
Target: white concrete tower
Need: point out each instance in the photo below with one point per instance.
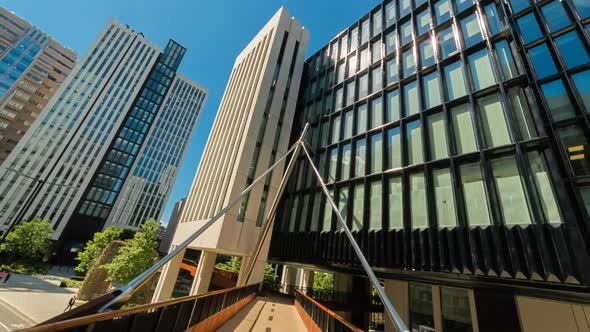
(251, 130)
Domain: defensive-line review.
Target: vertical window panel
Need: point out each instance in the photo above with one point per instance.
(529, 28)
(556, 16)
(376, 80)
(414, 142)
(376, 51)
(350, 93)
(363, 86)
(390, 14)
(582, 82)
(431, 90)
(342, 207)
(411, 98)
(393, 107)
(405, 7)
(377, 23)
(358, 207)
(352, 65)
(361, 119)
(376, 153)
(444, 199)
(510, 191)
(583, 7)
(304, 209)
(474, 195)
(455, 82)
(423, 22)
(327, 220)
(315, 214)
(448, 42)
(495, 22)
(335, 129)
(409, 63)
(471, 31)
(345, 164)
(463, 129)
(426, 53)
(376, 112)
(365, 31)
(391, 42)
(418, 208)
(558, 101)
(481, 70)
(442, 10)
(573, 51)
(494, 123)
(396, 216)
(524, 119)
(395, 148)
(544, 187)
(509, 69)
(542, 61)
(348, 124)
(406, 33)
(574, 141)
(437, 137)
(375, 207)
(360, 163)
(333, 164)
(392, 71)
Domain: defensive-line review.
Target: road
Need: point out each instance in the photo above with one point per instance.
(11, 319)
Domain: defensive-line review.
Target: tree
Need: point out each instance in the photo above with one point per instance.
(233, 265)
(323, 281)
(30, 240)
(137, 255)
(94, 248)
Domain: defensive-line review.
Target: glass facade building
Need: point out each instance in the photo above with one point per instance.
(71, 168)
(452, 135)
(32, 67)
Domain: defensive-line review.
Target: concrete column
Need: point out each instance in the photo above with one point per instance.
(307, 279)
(168, 278)
(437, 309)
(204, 272)
(343, 284)
(289, 279)
(257, 275)
(398, 293)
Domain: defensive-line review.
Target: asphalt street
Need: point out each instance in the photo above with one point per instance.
(11, 319)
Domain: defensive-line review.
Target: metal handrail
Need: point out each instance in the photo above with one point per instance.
(401, 326)
(127, 290)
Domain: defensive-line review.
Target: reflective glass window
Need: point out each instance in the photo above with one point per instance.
(327, 220)
(376, 51)
(343, 204)
(360, 158)
(376, 80)
(341, 73)
(582, 82)
(354, 38)
(556, 16)
(339, 95)
(524, 119)
(405, 7)
(572, 49)
(583, 7)
(431, 90)
(411, 98)
(421, 309)
(344, 46)
(361, 119)
(575, 143)
(437, 136)
(348, 124)
(358, 206)
(409, 64)
(585, 193)
(529, 28)
(392, 71)
(471, 31)
(481, 70)
(335, 129)
(463, 129)
(510, 190)
(426, 53)
(364, 58)
(443, 11)
(406, 33)
(365, 31)
(509, 69)
(495, 22)
(376, 112)
(454, 81)
(558, 101)
(390, 15)
(363, 86)
(391, 42)
(315, 214)
(443, 196)
(414, 142)
(352, 65)
(395, 148)
(393, 108)
(375, 207)
(474, 194)
(456, 313)
(448, 43)
(544, 187)
(519, 5)
(376, 153)
(494, 123)
(423, 22)
(377, 23)
(333, 165)
(350, 93)
(396, 217)
(418, 209)
(542, 61)
(461, 5)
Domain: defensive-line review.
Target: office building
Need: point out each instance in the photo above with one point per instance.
(453, 136)
(98, 133)
(171, 227)
(32, 67)
(251, 131)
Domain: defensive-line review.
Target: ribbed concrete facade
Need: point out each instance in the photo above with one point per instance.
(32, 68)
(146, 191)
(250, 131)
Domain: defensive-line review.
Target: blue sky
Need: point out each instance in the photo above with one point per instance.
(213, 31)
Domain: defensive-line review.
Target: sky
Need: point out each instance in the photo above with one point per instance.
(213, 31)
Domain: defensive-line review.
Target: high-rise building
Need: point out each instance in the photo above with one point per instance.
(251, 130)
(453, 136)
(123, 114)
(32, 68)
(171, 227)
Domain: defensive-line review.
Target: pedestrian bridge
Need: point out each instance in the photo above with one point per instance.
(235, 309)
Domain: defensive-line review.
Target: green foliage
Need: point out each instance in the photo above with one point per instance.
(136, 256)
(29, 240)
(270, 277)
(95, 247)
(233, 265)
(27, 267)
(70, 283)
(323, 281)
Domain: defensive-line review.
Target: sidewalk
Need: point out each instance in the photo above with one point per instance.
(265, 314)
(38, 298)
